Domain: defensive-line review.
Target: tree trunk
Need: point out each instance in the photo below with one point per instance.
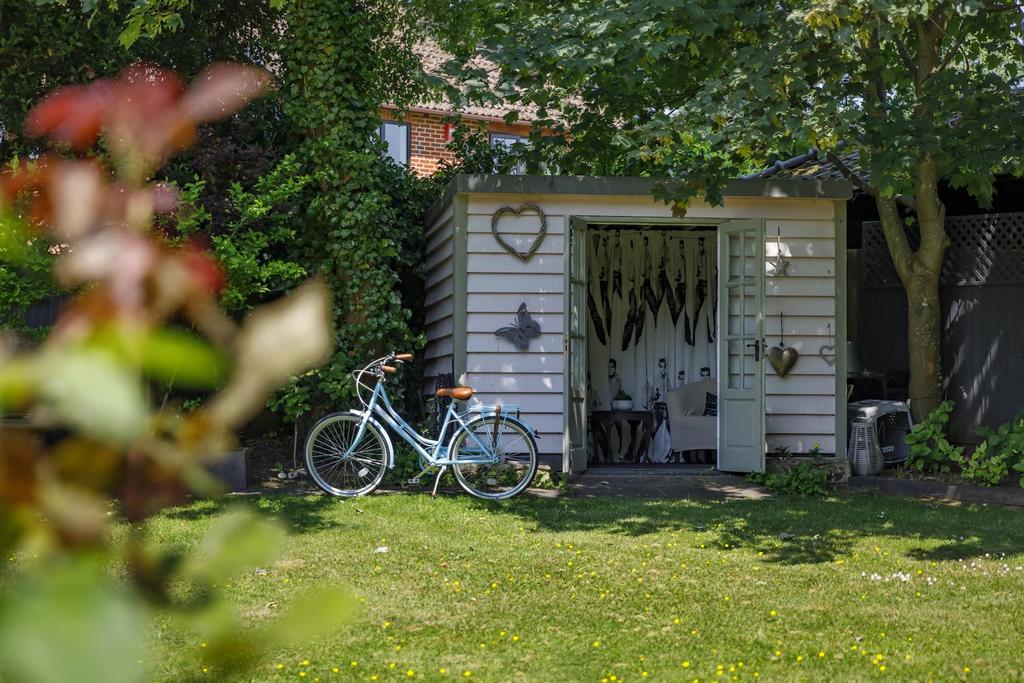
(919, 272)
(924, 341)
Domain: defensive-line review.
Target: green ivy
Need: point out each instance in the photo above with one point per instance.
(361, 227)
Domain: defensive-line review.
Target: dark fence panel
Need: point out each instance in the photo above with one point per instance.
(982, 296)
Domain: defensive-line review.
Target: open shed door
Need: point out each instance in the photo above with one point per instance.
(741, 445)
(575, 406)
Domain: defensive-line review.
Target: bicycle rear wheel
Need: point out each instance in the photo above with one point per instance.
(356, 474)
(517, 458)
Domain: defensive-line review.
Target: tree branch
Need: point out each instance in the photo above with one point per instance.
(901, 48)
(863, 185)
(895, 238)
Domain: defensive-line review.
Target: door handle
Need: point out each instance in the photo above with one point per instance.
(756, 345)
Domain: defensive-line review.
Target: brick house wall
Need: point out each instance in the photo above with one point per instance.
(428, 132)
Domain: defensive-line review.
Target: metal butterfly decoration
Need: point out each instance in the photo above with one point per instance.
(522, 330)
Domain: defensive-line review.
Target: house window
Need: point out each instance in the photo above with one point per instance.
(397, 138)
(506, 142)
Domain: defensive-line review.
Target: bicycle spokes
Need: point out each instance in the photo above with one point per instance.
(494, 458)
(341, 460)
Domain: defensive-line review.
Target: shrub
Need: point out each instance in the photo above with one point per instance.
(930, 451)
(1001, 451)
(803, 479)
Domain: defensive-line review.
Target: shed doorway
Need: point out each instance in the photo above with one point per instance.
(645, 338)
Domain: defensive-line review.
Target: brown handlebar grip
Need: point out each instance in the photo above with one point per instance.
(388, 368)
(403, 356)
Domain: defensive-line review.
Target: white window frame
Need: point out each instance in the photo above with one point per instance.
(408, 140)
(506, 141)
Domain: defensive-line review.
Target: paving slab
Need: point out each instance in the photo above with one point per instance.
(715, 486)
(940, 490)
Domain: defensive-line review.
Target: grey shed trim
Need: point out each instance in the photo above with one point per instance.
(793, 188)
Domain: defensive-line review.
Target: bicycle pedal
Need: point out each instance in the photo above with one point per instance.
(414, 481)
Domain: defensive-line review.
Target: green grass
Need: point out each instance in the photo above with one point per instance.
(849, 588)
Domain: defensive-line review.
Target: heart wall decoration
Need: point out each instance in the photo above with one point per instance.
(529, 208)
(782, 358)
(828, 351)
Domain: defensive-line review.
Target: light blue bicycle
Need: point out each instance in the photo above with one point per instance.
(491, 452)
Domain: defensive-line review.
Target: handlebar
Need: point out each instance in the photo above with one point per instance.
(378, 368)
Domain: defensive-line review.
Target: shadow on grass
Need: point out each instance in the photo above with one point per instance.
(789, 531)
(301, 514)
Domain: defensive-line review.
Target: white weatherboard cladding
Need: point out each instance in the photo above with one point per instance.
(800, 409)
(439, 257)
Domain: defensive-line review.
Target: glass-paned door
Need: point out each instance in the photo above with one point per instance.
(741, 445)
(575, 440)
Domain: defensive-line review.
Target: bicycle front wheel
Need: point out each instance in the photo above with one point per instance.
(338, 467)
(516, 453)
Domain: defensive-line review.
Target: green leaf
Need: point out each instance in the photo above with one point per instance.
(94, 393)
(180, 358)
(315, 614)
(71, 624)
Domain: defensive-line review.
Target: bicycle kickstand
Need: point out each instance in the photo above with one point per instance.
(437, 481)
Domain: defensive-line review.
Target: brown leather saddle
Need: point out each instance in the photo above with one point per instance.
(458, 393)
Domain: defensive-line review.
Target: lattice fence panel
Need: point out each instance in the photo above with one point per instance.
(986, 249)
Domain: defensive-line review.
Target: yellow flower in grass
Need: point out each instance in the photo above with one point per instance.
(410, 673)
(442, 670)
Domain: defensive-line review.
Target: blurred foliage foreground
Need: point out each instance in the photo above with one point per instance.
(101, 436)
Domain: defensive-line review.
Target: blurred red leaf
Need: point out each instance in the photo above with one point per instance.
(203, 269)
(73, 114)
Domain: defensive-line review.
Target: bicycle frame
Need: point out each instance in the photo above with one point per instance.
(432, 452)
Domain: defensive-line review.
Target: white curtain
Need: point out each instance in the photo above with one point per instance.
(651, 319)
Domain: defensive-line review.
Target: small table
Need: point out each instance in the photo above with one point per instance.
(865, 379)
(641, 429)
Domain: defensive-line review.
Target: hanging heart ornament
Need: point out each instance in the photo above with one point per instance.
(524, 209)
(828, 353)
(782, 359)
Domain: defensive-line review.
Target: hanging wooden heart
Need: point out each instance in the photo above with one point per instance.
(529, 208)
(782, 359)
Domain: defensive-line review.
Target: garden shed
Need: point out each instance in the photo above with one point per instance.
(628, 334)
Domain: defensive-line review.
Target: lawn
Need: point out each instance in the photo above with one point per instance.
(852, 588)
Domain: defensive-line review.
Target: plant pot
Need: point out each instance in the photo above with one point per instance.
(229, 470)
